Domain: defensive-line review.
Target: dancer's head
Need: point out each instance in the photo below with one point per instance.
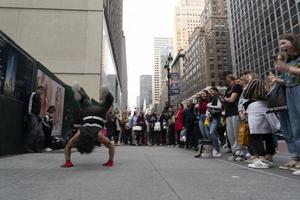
(86, 141)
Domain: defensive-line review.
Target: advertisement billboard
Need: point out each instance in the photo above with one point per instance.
(16, 70)
(54, 95)
(174, 84)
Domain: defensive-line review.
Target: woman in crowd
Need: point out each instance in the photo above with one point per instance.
(124, 128)
(171, 130)
(118, 127)
(202, 108)
(140, 134)
(178, 123)
(261, 125)
(214, 111)
(110, 124)
(156, 132)
(288, 64)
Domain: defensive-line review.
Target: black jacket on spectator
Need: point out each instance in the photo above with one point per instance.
(188, 118)
(34, 105)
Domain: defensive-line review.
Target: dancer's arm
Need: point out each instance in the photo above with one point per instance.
(105, 141)
(71, 143)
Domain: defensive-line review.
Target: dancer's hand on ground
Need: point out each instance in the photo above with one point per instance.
(109, 163)
(68, 164)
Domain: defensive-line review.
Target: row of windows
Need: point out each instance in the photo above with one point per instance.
(257, 39)
(266, 17)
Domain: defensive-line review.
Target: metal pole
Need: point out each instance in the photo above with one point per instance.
(169, 101)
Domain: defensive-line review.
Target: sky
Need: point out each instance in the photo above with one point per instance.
(142, 21)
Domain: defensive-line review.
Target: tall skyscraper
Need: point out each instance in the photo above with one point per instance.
(187, 19)
(137, 103)
(162, 47)
(208, 55)
(255, 28)
(76, 40)
(145, 90)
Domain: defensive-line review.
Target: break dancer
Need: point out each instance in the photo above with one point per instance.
(91, 132)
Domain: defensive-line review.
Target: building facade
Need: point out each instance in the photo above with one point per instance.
(194, 78)
(113, 12)
(187, 18)
(124, 77)
(145, 91)
(255, 28)
(162, 48)
(209, 52)
(75, 43)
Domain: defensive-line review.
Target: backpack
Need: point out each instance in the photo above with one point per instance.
(276, 99)
(57, 142)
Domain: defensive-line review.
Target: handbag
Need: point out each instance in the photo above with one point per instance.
(136, 128)
(157, 126)
(243, 134)
(182, 135)
(276, 99)
(206, 122)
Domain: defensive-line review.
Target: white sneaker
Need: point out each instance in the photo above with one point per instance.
(217, 154)
(288, 165)
(214, 152)
(260, 164)
(297, 172)
(232, 158)
(48, 149)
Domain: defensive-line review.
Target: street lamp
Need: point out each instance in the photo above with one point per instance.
(167, 67)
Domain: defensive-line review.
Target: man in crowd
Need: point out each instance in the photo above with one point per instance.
(34, 128)
(230, 101)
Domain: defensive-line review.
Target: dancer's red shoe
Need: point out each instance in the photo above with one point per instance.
(109, 163)
(67, 164)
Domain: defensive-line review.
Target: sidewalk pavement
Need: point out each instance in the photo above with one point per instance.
(141, 173)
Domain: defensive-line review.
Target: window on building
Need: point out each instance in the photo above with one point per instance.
(278, 12)
(293, 10)
(280, 30)
(284, 6)
(296, 29)
(287, 26)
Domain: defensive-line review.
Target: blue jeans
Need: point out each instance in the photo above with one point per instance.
(213, 132)
(286, 129)
(204, 130)
(293, 97)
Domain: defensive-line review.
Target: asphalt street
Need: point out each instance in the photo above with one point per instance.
(141, 173)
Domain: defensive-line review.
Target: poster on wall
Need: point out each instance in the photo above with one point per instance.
(4, 49)
(53, 96)
(174, 84)
(16, 69)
